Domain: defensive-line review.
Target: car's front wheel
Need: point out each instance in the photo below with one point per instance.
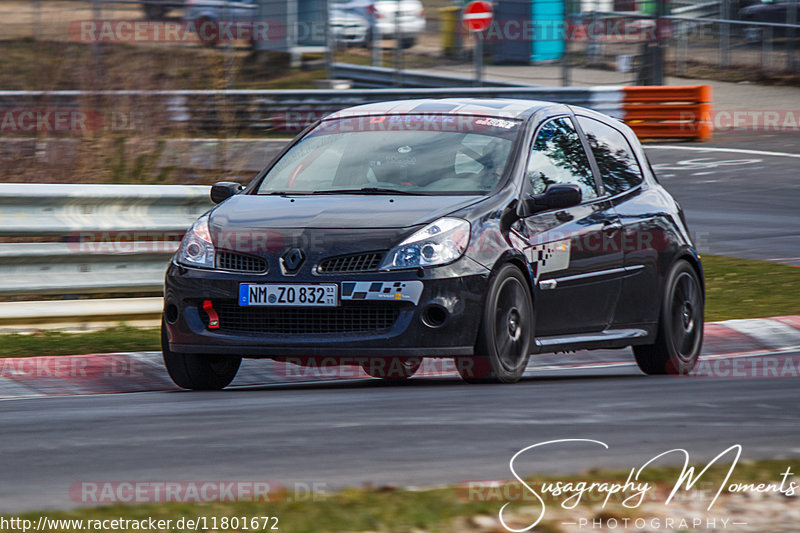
(198, 371)
(680, 328)
(506, 332)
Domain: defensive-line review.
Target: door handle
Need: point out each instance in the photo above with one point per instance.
(612, 226)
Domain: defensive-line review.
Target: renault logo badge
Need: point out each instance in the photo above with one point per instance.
(292, 260)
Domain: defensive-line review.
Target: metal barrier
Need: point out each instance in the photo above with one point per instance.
(111, 239)
(260, 111)
(669, 112)
(290, 111)
(36, 209)
(363, 76)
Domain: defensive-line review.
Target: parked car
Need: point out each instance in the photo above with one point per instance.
(158, 9)
(347, 28)
(210, 12)
(483, 230)
(766, 12)
(382, 14)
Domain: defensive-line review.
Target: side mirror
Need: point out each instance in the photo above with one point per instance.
(223, 190)
(554, 197)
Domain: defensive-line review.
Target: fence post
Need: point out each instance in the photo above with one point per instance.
(398, 48)
(766, 47)
(565, 81)
(791, 18)
(725, 36)
(377, 52)
(37, 19)
(97, 51)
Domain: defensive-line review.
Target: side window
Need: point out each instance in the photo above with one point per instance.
(614, 156)
(557, 156)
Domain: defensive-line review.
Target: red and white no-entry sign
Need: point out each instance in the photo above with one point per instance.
(477, 16)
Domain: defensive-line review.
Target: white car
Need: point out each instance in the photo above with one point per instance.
(348, 27)
(384, 20)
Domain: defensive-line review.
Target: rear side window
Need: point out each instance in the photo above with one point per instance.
(614, 156)
(557, 156)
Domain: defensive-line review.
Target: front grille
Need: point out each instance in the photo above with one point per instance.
(365, 262)
(237, 262)
(362, 317)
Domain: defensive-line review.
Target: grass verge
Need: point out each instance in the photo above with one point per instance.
(736, 288)
(119, 339)
(447, 509)
(745, 288)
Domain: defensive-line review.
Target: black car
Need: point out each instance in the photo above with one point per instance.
(480, 230)
(770, 12)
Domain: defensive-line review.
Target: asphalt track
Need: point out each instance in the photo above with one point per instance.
(741, 194)
(437, 430)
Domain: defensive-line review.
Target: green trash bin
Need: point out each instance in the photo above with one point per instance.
(450, 29)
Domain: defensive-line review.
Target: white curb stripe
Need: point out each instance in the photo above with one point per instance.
(768, 332)
(726, 150)
(10, 389)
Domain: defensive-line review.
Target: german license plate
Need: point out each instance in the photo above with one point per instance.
(289, 295)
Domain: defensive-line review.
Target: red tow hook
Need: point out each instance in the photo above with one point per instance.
(213, 317)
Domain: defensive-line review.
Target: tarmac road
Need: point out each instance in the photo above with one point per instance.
(426, 431)
(741, 195)
(439, 430)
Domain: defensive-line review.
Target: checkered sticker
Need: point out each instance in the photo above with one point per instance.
(399, 291)
(549, 257)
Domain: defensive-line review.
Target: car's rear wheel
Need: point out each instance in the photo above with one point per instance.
(506, 332)
(392, 368)
(198, 371)
(680, 328)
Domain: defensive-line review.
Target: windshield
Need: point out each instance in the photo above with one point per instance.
(411, 154)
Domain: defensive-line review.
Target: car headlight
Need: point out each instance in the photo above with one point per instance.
(438, 243)
(196, 249)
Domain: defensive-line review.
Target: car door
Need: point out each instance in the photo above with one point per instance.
(574, 253)
(640, 213)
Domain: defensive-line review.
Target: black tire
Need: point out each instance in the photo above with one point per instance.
(155, 11)
(506, 332)
(680, 327)
(198, 371)
(392, 368)
(407, 42)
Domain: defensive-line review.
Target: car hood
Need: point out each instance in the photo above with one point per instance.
(333, 212)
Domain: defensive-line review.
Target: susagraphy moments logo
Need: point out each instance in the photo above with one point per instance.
(631, 493)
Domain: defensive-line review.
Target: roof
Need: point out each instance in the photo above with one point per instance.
(490, 107)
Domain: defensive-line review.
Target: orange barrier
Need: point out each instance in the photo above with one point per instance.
(667, 112)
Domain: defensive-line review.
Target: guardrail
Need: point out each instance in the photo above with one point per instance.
(374, 77)
(260, 111)
(702, 10)
(101, 239)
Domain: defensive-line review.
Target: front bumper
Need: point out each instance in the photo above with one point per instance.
(408, 28)
(404, 328)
